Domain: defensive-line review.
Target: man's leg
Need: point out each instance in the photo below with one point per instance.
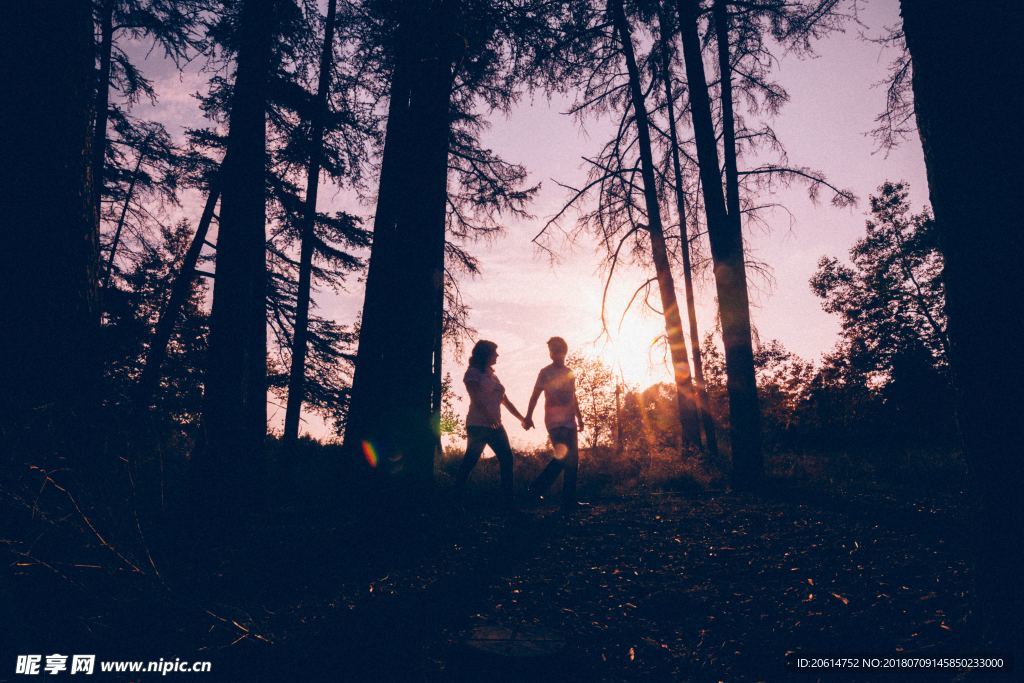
(572, 465)
(554, 467)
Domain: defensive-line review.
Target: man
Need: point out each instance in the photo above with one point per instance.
(562, 418)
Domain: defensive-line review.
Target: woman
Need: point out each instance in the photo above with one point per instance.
(483, 423)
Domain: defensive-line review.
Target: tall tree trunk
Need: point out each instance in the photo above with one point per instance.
(686, 400)
(374, 324)
(732, 185)
(437, 389)
(157, 351)
(618, 417)
(726, 241)
(235, 412)
(965, 67)
(297, 374)
(99, 140)
(393, 384)
(115, 242)
(703, 407)
(49, 321)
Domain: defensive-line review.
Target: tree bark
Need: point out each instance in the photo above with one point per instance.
(49, 324)
(297, 374)
(157, 350)
(437, 386)
(720, 14)
(703, 408)
(686, 399)
(375, 321)
(392, 388)
(235, 412)
(965, 61)
(726, 240)
(99, 140)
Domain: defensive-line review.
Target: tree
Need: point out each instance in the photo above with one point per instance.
(726, 239)
(235, 417)
(842, 410)
(172, 26)
(393, 380)
(292, 111)
(650, 421)
(687, 403)
(596, 391)
(891, 298)
(962, 104)
(136, 191)
(700, 391)
(627, 218)
(50, 323)
(132, 312)
(792, 24)
(452, 422)
(783, 379)
(297, 373)
(441, 58)
(180, 287)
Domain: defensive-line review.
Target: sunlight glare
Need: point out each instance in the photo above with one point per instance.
(634, 354)
(630, 348)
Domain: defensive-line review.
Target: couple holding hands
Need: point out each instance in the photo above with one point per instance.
(562, 418)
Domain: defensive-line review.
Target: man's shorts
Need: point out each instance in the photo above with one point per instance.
(564, 441)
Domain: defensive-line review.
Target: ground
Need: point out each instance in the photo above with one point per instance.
(657, 585)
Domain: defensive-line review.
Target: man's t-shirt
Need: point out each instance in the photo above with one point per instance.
(484, 398)
(559, 386)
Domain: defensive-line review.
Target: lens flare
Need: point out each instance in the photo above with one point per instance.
(370, 453)
(561, 450)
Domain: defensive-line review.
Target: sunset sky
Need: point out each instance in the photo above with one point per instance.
(523, 297)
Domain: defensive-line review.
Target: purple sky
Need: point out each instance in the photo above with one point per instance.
(522, 297)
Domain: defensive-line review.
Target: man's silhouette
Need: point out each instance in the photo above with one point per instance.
(562, 418)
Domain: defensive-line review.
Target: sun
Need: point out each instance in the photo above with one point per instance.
(633, 344)
(635, 351)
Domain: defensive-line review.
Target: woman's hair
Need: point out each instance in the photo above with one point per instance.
(482, 352)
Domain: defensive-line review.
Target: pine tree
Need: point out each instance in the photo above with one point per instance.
(235, 412)
(440, 59)
(297, 372)
(50, 322)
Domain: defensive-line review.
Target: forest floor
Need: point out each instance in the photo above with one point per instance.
(657, 585)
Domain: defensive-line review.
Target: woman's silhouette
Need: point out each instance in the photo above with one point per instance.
(483, 423)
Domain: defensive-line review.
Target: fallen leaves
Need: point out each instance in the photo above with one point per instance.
(641, 597)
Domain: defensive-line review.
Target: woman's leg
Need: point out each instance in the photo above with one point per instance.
(476, 439)
(503, 450)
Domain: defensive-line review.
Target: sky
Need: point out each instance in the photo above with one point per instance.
(523, 296)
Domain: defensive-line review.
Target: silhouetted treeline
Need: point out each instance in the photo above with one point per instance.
(883, 391)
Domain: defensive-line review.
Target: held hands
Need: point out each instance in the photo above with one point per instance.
(527, 423)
